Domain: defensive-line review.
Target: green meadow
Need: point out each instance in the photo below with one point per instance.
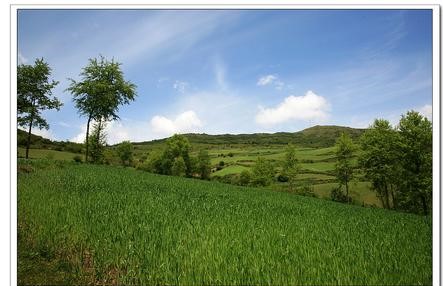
(107, 225)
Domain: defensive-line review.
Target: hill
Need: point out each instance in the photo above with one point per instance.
(314, 137)
(39, 142)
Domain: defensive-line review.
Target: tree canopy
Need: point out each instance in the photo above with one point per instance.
(100, 92)
(34, 94)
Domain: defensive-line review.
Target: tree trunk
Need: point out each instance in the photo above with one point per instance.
(347, 191)
(394, 200)
(425, 205)
(387, 196)
(28, 143)
(87, 138)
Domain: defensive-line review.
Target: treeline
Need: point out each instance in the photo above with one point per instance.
(397, 161)
(175, 159)
(314, 137)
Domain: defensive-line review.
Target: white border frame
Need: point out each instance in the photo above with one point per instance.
(377, 4)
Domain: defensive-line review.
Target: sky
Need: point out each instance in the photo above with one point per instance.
(237, 71)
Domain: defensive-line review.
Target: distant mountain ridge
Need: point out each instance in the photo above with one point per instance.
(316, 137)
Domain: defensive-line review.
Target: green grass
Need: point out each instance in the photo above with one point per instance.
(50, 154)
(234, 169)
(111, 225)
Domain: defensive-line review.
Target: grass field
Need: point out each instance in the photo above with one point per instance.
(47, 154)
(80, 224)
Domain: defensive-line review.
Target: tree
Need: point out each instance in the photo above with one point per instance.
(176, 146)
(262, 172)
(97, 142)
(178, 167)
(124, 152)
(380, 161)
(343, 168)
(290, 166)
(34, 94)
(415, 132)
(204, 164)
(100, 92)
(245, 177)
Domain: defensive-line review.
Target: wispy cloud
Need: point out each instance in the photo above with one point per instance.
(266, 79)
(271, 79)
(180, 86)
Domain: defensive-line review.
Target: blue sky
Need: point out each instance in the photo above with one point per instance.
(238, 71)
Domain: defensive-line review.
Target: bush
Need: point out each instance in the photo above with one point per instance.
(245, 178)
(282, 178)
(338, 195)
(306, 190)
(77, 159)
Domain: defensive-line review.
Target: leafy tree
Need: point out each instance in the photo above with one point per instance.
(290, 166)
(245, 177)
(380, 161)
(343, 168)
(97, 142)
(178, 167)
(176, 146)
(415, 132)
(204, 164)
(124, 152)
(100, 92)
(262, 172)
(34, 94)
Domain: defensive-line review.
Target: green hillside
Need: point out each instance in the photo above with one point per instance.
(317, 136)
(103, 225)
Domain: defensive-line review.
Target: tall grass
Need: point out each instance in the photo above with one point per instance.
(117, 225)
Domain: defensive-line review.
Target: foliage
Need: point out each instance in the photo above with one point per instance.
(77, 159)
(97, 142)
(290, 167)
(262, 172)
(100, 92)
(34, 94)
(176, 146)
(380, 161)
(245, 178)
(204, 165)
(306, 190)
(178, 167)
(125, 152)
(337, 195)
(415, 132)
(344, 170)
(135, 228)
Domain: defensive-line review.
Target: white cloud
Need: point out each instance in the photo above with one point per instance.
(426, 111)
(44, 133)
(310, 107)
(271, 79)
(21, 59)
(180, 86)
(267, 79)
(185, 122)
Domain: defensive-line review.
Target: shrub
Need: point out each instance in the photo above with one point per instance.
(77, 158)
(282, 178)
(338, 195)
